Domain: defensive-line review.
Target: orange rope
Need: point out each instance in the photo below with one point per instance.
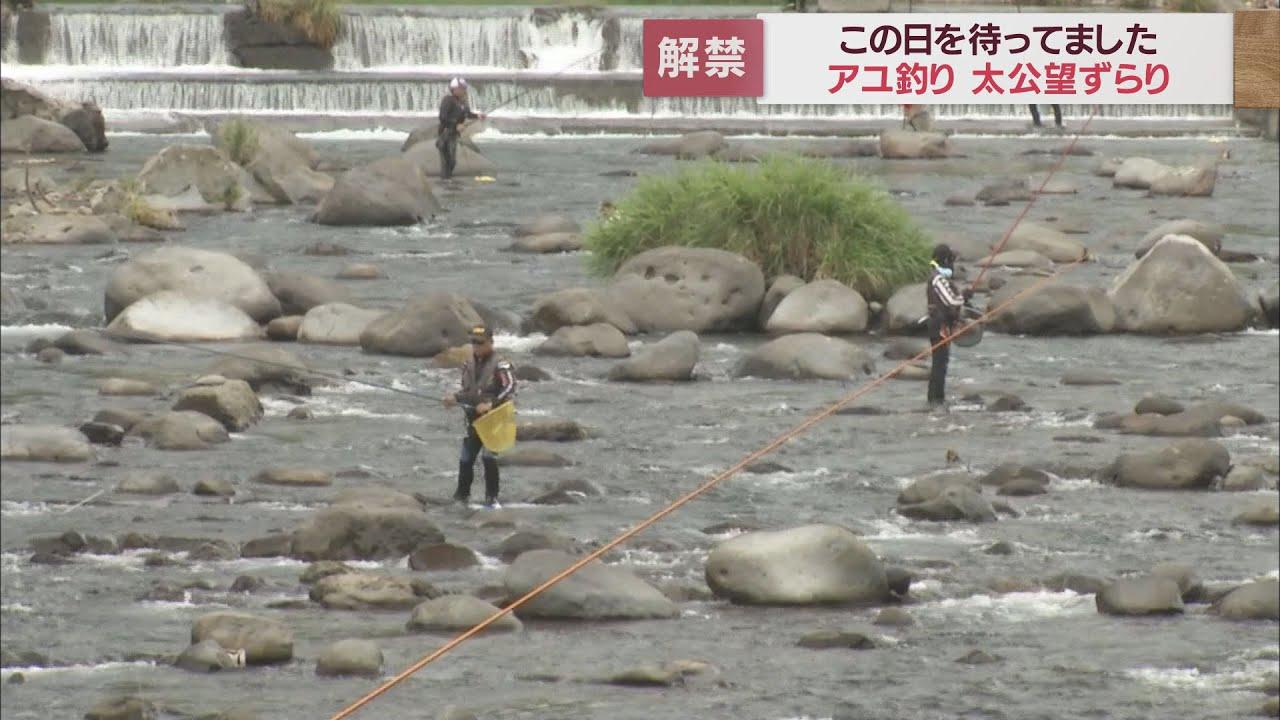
(685, 499)
(688, 497)
(1066, 151)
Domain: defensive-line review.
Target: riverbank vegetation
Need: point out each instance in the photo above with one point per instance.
(809, 218)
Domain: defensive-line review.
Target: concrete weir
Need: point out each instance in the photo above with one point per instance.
(539, 69)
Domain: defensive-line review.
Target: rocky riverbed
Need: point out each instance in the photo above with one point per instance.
(1022, 556)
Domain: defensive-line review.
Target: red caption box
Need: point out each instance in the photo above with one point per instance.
(703, 58)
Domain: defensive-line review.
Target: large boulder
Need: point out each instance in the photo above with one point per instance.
(905, 308)
(265, 368)
(823, 306)
(1145, 595)
(1180, 287)
(363, 531)
(1259, 600)
(43, 443)
(390, 191)
(354, 657)
(1270, 302)
(596, 592)
(83, 118)
(470, 160)
(1137, 173)
(299, 292)
(806, 356)
(455, 613)
(184, 430)
(50, 229)
(810, 565)
(1192, 181)
(207, 656)
(1209, 235)
(952, 504)
(171, 315)
(426, 326)
(779, 289)
(233, 403)
(1185, 465)
(1201, 420)
(547, 244)
(697, 289)
(1053, 309)
(198, 273)
(336, 324)
(263, 640)
(283, 165)
(946, 497)
(364, 591)
(898, 144)
(690, 146)
(598, 340)
(178, 168)
(1047, 241)
(577, 306)
(547, 224)
(670, 359)
(30, 134)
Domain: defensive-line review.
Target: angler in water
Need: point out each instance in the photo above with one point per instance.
(945, 304)
(454, 111)
(487, 382)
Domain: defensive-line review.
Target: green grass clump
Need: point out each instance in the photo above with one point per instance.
(319, 21)
(239, 140)
(789, 215)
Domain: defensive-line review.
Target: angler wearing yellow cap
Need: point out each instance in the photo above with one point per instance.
(488, 381)
(454, 111)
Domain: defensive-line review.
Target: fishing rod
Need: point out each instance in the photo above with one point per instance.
(558, 73)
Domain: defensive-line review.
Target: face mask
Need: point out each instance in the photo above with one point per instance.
(944, 271)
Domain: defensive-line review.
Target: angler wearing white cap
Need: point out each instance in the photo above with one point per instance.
(454, 111)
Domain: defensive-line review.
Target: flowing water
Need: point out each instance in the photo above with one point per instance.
(1059, 658)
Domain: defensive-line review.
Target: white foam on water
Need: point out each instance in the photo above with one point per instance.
(1072, 485)
(897, 527)
(184, 604)
(17, 508)
(362, 413)
(640, 557)
(792, 479)
(87, 668)
(1021, 606)
(518, 343)
(30, 332)
(490, 563)
(379, 133)
(419, 255)
(533, 412)
(1154, 535)
(280, 506)
(17, 608)
(1255, 331)
(1248, 677)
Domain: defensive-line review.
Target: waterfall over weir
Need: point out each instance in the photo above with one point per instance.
(136, 39)
(394, 62)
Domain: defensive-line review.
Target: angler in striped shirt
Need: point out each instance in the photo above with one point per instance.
(487, 382)
(945, 304)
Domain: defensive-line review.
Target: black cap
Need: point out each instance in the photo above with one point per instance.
(943, 255)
